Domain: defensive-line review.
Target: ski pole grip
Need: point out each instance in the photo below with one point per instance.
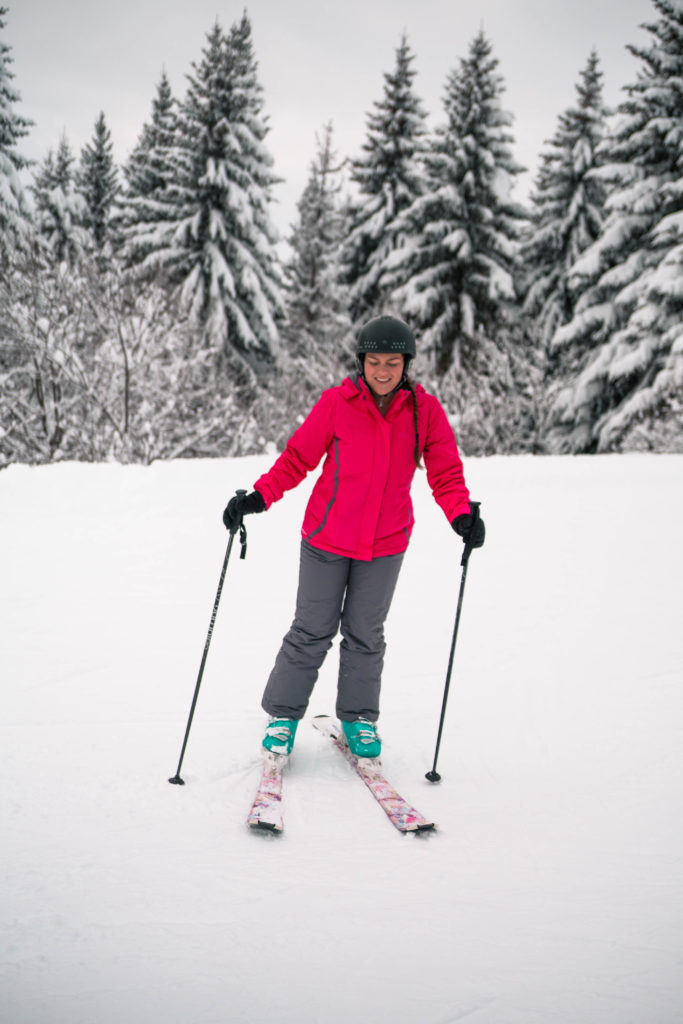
(241, 527)
(467, 551)
(238, 523)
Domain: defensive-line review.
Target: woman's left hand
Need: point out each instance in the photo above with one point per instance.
(471, 528)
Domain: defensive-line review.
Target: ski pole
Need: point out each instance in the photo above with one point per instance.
(433, 775)
(176, 779)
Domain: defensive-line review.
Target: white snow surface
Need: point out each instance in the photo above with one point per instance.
(552, 892)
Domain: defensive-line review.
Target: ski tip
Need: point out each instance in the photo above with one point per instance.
(264, 826)
(427, 826)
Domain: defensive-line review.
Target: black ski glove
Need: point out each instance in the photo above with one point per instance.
(471, 528)
(242, 504)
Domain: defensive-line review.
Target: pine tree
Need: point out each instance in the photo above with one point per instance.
(222, 247)
(389, 176)
(627, 328)
(97, 182)
(317, 332)
(150, 173)
(14, 214)
(567, 208)
(454, 273)
(316, 301)
(60, 211)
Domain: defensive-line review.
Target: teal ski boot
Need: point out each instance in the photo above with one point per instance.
(280, 735)
(361, 736)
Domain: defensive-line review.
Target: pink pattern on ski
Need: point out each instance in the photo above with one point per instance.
(404, 817)
(266, 810)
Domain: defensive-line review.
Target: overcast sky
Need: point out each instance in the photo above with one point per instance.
(318, 62)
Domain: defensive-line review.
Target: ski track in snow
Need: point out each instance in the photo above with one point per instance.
(552, 892)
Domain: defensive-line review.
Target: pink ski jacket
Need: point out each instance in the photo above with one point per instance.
(360, 506)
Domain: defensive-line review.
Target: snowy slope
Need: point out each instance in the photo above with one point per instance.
(553, 892)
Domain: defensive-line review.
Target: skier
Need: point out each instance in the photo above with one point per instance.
(373, 430)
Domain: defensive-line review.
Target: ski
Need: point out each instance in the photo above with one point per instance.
(404, 817)
(266, 810)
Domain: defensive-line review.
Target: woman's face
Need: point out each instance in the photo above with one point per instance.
(383, 371)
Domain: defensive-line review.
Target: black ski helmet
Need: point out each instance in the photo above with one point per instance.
(386, 334)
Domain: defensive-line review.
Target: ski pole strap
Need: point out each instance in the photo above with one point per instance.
(467, 551)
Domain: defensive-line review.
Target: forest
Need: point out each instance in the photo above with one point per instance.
(148, 312)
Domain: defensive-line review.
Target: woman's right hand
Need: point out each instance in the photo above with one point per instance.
(242, 504)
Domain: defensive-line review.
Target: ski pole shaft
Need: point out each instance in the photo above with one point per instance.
(176, 779)
(433, 775)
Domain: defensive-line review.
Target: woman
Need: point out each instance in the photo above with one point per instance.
(373, 430)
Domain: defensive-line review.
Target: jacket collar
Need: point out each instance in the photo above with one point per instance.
(354, 386)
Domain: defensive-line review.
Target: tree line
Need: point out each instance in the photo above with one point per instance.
(145, 310)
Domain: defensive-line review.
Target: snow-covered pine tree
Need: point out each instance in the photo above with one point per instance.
(567, 210)
(389, 176)
(14, 212)
(453, 275)
(316, 302)
(316, 334)
(97, 182)
(148, 201)
(60, 210)
(627, 326)
(222, 250)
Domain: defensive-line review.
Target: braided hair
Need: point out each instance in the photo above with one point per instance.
(409, 384)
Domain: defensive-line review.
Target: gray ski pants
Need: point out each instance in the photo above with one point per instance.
(335, 594)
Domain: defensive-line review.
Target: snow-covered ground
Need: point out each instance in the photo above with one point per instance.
(553, 891)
